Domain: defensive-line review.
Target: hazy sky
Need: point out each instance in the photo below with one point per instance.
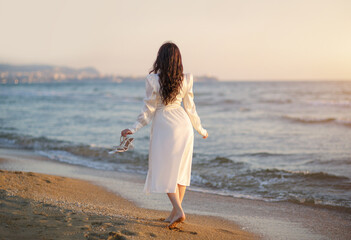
(233, 40)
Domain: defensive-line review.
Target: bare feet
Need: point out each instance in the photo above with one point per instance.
(178, 218)
(170, 216)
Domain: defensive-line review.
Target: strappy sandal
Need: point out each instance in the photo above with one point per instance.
(125, 144)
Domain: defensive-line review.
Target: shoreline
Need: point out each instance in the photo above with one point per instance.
(48, 206)
(53, 206)
(259, 219)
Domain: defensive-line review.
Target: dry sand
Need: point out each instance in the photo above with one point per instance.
(40, 206)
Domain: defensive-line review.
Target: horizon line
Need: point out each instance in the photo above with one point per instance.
(200, 75)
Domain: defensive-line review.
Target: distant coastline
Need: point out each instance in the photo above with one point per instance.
(27, 74)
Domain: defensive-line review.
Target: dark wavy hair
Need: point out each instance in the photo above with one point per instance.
(169, 67)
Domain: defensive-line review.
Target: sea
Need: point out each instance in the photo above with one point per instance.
(271, 141)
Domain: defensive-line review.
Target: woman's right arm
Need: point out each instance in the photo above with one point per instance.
(190, 108)
(148, 110)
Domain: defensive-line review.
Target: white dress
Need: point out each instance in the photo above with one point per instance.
(171, 137)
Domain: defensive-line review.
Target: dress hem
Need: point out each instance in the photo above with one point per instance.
(158, 191)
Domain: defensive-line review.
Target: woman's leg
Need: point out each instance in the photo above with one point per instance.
(180, 190)
(179, 215)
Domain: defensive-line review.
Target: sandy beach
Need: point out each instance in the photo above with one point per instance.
(41, 206)
(47, 199)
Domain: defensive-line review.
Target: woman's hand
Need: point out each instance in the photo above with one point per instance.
(205, 136)
(125, 132)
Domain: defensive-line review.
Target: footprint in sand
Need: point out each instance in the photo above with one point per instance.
(118, 223)
(86, 227)
(152, 235)
(116, 236)
(224, 231)
(47, 180)
(41, 213)
(107, 225)
(96, 223)
(31, 174)
(129, 233)
(178, 229)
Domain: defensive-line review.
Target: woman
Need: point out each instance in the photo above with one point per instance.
(172, 134)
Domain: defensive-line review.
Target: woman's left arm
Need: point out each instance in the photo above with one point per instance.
(148, 109)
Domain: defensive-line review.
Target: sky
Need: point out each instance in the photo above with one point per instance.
(231, 40)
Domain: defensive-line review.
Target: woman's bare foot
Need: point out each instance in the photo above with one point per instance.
(170, 216)
(178, 218)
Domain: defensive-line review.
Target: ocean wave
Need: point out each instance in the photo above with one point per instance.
(276, 184)
(7, 128)
(29, 142)
(276, 101)
(217, 162)
(333, 162)
(217, 102)
(228, 101)
(306, 175)
(310, 120)
(63, 156)
(318, 120)
(342, 205)
(338, 103)
(345, 122)
(221, 160)
(263, 154)
(242, 178)
(80, 154)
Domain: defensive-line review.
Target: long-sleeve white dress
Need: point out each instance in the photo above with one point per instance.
(171, 137)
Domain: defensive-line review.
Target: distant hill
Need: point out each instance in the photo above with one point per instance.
(205, 79)
(47, 73)
(35, 68)
(16, 74)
